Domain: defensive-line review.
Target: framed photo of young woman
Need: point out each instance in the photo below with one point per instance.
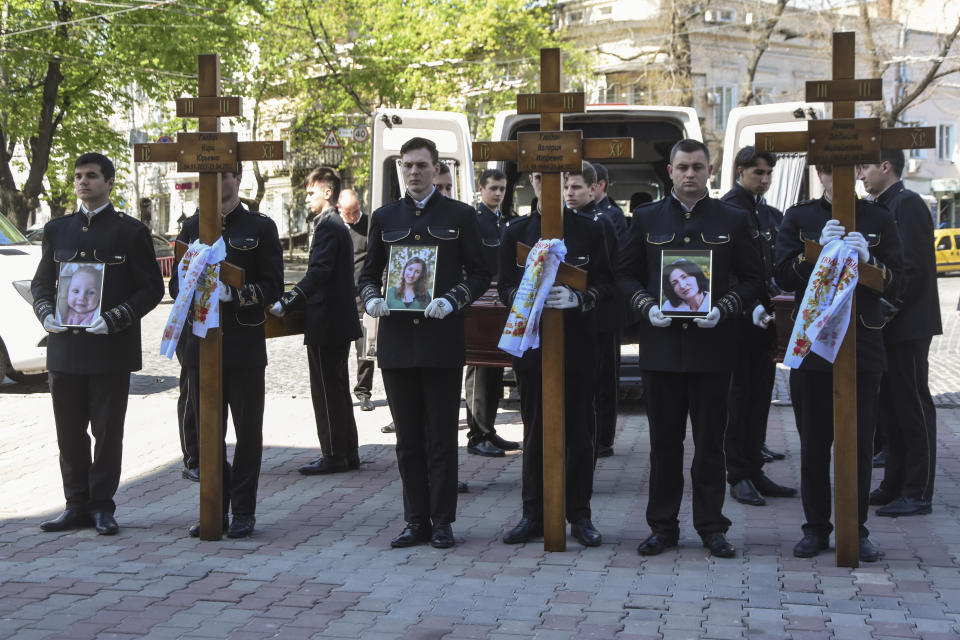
(411, 277)
(79, 293)
(685, 283)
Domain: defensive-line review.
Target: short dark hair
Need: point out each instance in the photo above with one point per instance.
(421, 143)
(602, 174)
(748, 156)
(327, 177)
(443, 169)
(491, 174)
(895, 158)
(688, 145)
(106, 166)
(587, 171)
(687, 267)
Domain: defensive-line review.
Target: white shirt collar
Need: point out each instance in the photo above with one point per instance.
(422, 203)
(673, 192)
(90, 214)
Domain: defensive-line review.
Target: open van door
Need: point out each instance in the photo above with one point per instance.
(393, 127)
(790, 182)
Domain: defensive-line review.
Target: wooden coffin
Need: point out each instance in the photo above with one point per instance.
(484, 320)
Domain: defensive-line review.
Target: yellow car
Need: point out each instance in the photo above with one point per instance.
(947, 243)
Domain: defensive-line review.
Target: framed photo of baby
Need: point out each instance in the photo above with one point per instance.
(411, 276)
(79, 293)
(685, 283)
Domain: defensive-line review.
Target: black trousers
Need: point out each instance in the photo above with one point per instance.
(751, 387)
(607, 393)
(670, 397)
(243, 394)
(579, 436)
(425, 405)
(908, 421)
(364, 386)
(187, 421)
(812, 396)
(332, 406)
(100, 401)
(483, 388)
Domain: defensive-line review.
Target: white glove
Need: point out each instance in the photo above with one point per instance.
(377, 308)
(51, 325)
(561, 297)
(657, 318)
(831, 231)
(277, 310)
(710, 321)
(855, 240)
(760, 317)
(224, 292)
(99, 327)
(438, 308)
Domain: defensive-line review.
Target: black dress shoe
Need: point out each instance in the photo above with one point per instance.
(442, 537)
(322, 466)
(603, 451)
(880, 460)
(766, 451)
(500, 443)
(811, 544)
(771, 489)
(745, 493)
(194, 530)
(525, 531)
(190, 473)
(718, 544)
(411, 535)
(388, 429)
(241, 526)
(880, 497)
(462, 487)
(656, 543)
(869, 551)
(69, 519)
(366, 404)
(904, 506)
(105, 523)
(484, 448)
(584, 531)
(765, 457)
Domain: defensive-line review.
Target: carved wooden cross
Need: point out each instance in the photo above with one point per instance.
(210, 153)
(844, 142)
(552, 152)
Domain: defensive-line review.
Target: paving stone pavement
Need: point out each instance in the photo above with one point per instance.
(320, 565)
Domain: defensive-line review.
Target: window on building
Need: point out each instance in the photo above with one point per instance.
(946, 141)
(724, 98)
(604, 13)
(612, 93)
(575, 17)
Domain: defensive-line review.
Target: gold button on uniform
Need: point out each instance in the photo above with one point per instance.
(84, 229)
(416, 237)
(83, 254)
(416, 321)
(76, 331)
(686, 239)
(419, 211)
(686, 324)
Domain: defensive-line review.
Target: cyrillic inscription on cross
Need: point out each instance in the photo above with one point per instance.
(552, 151)
(842, 143)
(210, 153)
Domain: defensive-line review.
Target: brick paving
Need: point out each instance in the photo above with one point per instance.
(320, 566)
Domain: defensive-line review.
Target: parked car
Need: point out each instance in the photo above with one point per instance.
(23, 342)
(947, 244)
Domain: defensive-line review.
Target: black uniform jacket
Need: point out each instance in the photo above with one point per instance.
(583, 237)
(132, 286)
(792, 270)
(764, 224)
(491, 232)
(358, 234)
(406, 338)
(328, 289)
(253, 244)
(918, 317)
(736, 280)
(611, 314)
(615, 213)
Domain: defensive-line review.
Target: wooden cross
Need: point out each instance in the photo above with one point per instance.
(842, 143)
(210, 153)
(551, 152)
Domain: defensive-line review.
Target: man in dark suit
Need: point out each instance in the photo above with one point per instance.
(358, 222)
(327, 291)
(752, 383)
(687, 362)
(908, 418)
(811, 385)
(421, 351)
(252, 243)
(90, 366)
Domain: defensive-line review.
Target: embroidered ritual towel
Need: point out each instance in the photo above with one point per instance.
(198, 277)
(522, 330)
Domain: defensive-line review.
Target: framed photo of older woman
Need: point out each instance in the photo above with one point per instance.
(685, 283)
(411, 275)
(79, 292)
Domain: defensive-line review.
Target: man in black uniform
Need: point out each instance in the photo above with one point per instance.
(422, 353)
(687, 363)
(443, 180)
(483, 386)
(328, 292)
(358, 222)
(908, 418)
(811, 386)
(752, 383)
(604, 203)
(252, 243)
(584, 238)
(90, 367)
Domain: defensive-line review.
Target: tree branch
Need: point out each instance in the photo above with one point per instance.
(899, 107)
(760, 48)
(330, 66)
